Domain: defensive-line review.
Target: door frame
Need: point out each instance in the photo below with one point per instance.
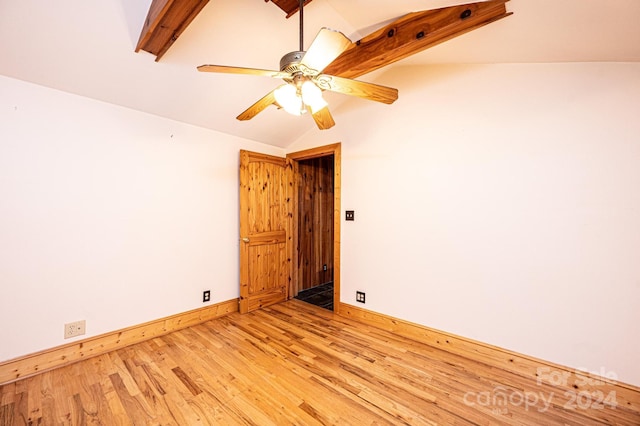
(322, 151)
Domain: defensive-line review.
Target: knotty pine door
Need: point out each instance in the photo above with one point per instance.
(266, 212)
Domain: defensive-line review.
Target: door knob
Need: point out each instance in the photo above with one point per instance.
(245, 239)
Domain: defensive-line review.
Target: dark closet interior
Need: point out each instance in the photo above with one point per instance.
(315, 231)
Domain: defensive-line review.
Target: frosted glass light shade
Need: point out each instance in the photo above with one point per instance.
(312, 96)
(287, 97)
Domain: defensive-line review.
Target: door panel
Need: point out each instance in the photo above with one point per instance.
(265, 229)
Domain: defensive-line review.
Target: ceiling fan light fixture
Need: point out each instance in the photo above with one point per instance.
(288, 98)
(302, 73)
(312, 96)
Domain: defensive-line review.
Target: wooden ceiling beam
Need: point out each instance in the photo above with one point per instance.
(290, 7)
(410, 34)
(166, 20)
(413, 33)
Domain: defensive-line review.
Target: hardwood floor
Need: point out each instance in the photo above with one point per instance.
(291, 363)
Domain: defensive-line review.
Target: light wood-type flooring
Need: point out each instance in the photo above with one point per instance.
(291, 363)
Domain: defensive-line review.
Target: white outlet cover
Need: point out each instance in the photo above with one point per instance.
(74, 329)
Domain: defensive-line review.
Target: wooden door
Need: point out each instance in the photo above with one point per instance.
(265, 229)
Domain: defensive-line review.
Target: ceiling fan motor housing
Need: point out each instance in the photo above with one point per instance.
(290, 62)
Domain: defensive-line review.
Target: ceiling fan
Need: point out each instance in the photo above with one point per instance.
(304, 81)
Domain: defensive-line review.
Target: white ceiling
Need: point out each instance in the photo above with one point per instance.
(87, 47)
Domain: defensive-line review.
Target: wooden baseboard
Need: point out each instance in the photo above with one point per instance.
(59, 356)
(544, 372)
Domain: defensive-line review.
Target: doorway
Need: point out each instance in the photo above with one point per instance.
(316, 226)
(315, 231)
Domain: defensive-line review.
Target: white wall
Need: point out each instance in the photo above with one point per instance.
(108, 215)
(496, 202)
(500, 203)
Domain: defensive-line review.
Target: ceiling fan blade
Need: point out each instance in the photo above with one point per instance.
(258, 107)
(326, 47)
(240, 70)
(323, 119)
(347, 86)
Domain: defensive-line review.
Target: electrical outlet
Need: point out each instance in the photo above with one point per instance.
(349, 215)
(360, 296)
(74, 329)
(324, 267)
(206, 296)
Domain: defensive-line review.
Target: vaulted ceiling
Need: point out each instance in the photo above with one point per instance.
(88, 48)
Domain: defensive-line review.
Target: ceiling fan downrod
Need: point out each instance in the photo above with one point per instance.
(301, 11)
(289, 62)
